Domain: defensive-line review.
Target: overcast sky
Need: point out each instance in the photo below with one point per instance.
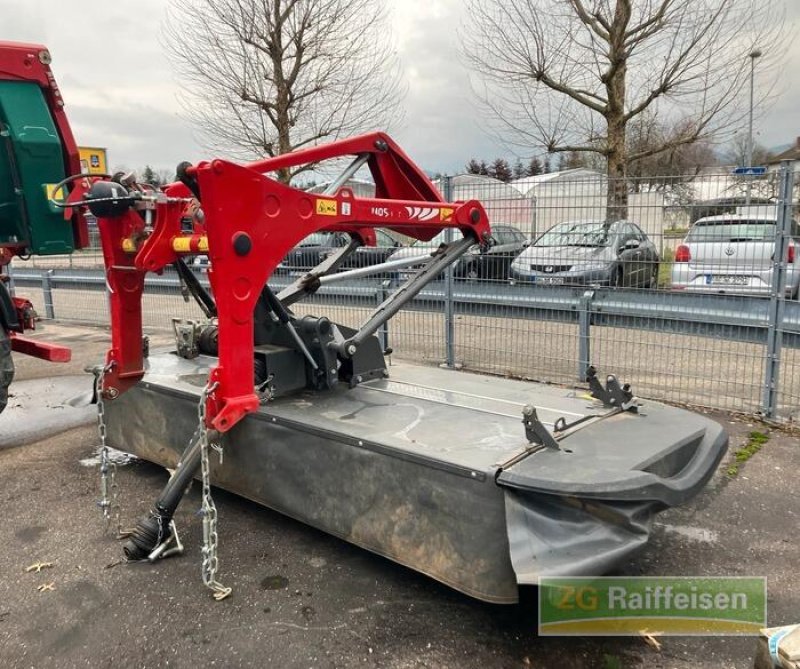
(121, 93)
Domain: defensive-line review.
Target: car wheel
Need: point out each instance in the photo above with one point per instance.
(6, 368)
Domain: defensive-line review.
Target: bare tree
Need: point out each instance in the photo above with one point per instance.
(737, 152)
(265, 77)
(674, 162)
(571, 75)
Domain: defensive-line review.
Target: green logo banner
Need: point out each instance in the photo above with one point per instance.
(668, 605)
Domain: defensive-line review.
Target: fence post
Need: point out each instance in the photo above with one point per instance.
(10, 284)
(47, 290)
(449, 307)
(383, 332)
(777, 299)
(584, 331)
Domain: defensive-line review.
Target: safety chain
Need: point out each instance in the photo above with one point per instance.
(209, 509)
(108, 470)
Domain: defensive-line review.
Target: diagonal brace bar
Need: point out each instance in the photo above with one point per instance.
(405, 293)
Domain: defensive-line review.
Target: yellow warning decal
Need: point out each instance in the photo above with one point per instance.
(445, 214)
(50, 190)
(181, 245)
(327, 207)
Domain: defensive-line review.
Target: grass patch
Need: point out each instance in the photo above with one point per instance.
(755, 441)
(675, 232)
(665, 269)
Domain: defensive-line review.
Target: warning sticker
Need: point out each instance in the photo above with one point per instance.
(327, 207)
(50, 190)
(445, 214)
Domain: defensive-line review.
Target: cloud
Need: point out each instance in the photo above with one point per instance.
(121, 92)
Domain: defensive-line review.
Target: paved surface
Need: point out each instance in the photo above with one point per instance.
(304, 599)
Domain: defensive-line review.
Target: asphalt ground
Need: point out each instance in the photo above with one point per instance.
(304, 599)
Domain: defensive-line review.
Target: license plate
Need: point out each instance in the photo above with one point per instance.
(551, 280)
(726, 280)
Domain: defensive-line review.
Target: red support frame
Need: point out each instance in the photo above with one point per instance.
(39, 349)
(251, 222)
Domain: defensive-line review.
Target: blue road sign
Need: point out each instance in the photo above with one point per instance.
(749, 171)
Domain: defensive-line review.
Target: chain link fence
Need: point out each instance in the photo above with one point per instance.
(689, 293)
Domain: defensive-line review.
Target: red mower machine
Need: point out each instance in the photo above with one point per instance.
(480, 482)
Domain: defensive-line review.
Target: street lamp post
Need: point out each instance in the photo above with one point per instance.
(755, 53)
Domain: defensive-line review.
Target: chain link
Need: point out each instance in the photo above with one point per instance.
(109, 490)
(209, 509)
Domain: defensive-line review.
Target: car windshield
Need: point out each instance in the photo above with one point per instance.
(318, 239)
(575, 234)
(731, 231)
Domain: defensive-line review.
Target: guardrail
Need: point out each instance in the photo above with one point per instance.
(720, 350)
(741, 318)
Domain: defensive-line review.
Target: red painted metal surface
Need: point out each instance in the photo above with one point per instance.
(124, 360)
(26, 314)
(251, 222)
(40, 349)
(31, 62)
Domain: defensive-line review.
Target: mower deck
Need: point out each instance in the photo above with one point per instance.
(431, 468)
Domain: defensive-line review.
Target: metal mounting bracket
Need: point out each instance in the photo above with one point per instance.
(535, 431)
(614, 395)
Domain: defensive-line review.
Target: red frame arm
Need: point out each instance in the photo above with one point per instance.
(39, 349)
(251, 222)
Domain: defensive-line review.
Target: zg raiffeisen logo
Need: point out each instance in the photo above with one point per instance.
(620, 606)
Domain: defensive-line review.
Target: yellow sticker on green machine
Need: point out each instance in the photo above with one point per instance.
(50, 191)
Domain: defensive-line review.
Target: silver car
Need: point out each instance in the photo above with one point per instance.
(733, 253)
(589, 253)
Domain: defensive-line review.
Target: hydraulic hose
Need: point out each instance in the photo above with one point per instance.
(154, 528)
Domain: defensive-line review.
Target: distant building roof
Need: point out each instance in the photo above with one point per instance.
(359, 187)
(528, 184)
(792, 153)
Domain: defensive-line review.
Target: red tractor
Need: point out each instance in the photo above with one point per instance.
(37, 153)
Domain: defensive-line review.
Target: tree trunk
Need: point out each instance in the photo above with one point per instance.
(617, 190)
(615, 80)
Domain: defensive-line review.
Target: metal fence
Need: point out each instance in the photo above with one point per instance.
(691, 296)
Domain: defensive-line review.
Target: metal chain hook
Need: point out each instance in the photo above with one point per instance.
(209, 509)
(108, 469)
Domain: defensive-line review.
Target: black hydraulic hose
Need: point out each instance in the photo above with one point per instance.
(189, 181)
(200, 294)
(276, 305)
(61, 184)
(154, 528)
(284, 317)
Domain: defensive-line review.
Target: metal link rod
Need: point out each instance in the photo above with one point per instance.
(447, 255)
(373, 269)
(310, 282)
(349, 171)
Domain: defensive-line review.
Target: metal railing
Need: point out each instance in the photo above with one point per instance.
(722, 341)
